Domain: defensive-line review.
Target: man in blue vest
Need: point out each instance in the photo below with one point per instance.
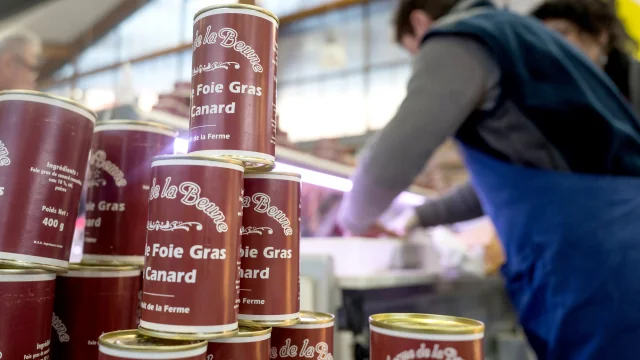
(553, 150)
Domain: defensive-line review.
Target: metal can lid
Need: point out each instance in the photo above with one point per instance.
(238, 6)
(256, 174)
(427, 324)
(10, 270)
(50, 96)
(312, 317)
(139, 123)
(188, 157)
(90, 270)
(134, 341)
(251, 331)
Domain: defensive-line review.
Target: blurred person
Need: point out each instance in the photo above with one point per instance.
(593, 27)
(20, 54)
(553, 149)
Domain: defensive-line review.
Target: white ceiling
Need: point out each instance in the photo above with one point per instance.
(61, 21)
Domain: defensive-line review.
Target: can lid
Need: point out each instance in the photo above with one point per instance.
(198, 157)
(427, 324)
(145, 123)
(274, 173)
(132, 340)
(311, 317)
(10, 270)
(251, 331)
(50, 96)
(102, 268)
(237, 6)
(16, 264)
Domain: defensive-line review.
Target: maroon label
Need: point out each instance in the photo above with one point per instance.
(193, 242)
(43, 156)
(109, 357)
(239, 348)
(233, 89)
(118, 190)
(304, 344)
(87, 307)
(26, 305)
(270, 264)
(392, 346)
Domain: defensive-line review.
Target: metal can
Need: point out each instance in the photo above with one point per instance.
(311, 338)
(190, 282)
(26, 306)
(118, 189)
(250, 343)
(131, 344)
(421, 336)
(270, 265)
(44, 148)
(233, 85)
(90, 301)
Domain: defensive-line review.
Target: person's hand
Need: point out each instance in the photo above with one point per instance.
(379, 230)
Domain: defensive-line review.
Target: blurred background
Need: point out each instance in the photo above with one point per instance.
(341, 78)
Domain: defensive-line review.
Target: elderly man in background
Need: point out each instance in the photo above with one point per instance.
(20, 53)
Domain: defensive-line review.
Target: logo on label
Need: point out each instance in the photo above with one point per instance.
(228, 38)
(319, 352)
(424, 352)
(214, 66)
(191, 197)
(4, 155)
(255, 230)
(98, 161)
(59, 327)
(263, 206)
(172, 225)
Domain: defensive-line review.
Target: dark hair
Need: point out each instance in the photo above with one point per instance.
(593, 17)
(434, 8)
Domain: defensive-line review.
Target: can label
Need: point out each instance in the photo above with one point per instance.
(303, 342)
(43, 160)
(88, 304)
(233, 93)
(193, 243)
(25, 324)
(118, 190)
(395, 345)
(236, 348)
(270, 265)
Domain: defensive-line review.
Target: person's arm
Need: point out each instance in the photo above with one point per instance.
(461, 204)
(449, 82)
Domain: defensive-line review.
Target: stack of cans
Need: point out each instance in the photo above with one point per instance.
(44, 147)
(221, 260)
(49, 146)
(102, 293)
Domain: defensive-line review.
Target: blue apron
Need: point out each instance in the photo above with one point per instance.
(572, 243)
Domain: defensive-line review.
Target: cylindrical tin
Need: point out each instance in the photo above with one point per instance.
(250, 343)
(270, 265)
(26, 306)
(130, 344)
(90, 301)
(190, 282)
(233, 85)
(44, 147)
(312, 338)
(421, 336)
(118, 189)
